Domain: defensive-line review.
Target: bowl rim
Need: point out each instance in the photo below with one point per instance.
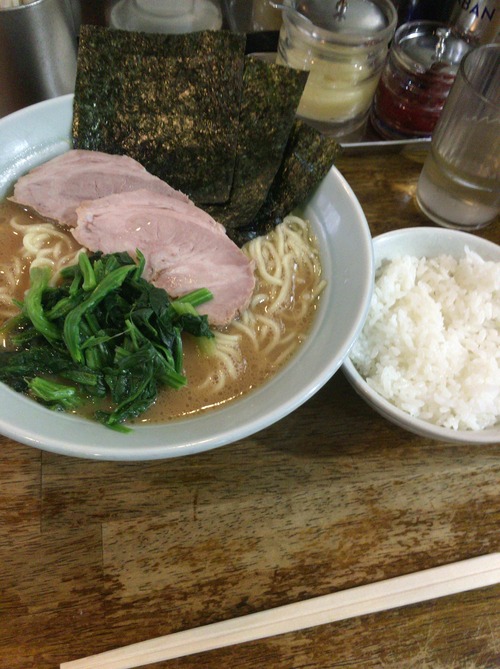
(241, 418)
(391, 412)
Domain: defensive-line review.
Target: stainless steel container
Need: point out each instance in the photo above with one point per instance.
(38, 52)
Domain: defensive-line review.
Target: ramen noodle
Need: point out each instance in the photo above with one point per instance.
(248, 351)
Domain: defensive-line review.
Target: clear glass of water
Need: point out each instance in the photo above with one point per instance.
(459, 186)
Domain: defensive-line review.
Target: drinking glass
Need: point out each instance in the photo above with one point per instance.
(459, 186)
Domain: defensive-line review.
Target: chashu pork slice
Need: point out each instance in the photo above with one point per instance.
(183, 246)
(56, 188)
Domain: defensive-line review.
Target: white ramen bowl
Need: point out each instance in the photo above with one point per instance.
(38, 133)
(420, 242)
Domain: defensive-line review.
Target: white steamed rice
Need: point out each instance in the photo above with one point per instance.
(431, 342)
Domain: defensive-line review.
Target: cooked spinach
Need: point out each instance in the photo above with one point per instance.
(104, 335)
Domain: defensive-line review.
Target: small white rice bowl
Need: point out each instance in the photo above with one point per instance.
(428, 357)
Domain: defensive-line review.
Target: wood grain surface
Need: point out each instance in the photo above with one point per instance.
(96, 555)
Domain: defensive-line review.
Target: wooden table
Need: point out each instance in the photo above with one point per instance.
(95, 555)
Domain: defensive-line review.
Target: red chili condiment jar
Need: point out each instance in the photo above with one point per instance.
(417, 77)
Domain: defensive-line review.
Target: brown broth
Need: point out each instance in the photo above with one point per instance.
(200, 394)
(11, 245)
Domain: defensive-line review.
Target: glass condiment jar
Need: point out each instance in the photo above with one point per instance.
(343, 44)
(165, 16)
(420, 70)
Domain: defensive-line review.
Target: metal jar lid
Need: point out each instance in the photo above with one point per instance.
(422, 45)
(350, 17)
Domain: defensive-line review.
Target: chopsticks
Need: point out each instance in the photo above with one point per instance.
(420, 586)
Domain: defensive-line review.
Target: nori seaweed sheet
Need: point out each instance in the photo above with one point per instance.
(172, 102)
(308, 157)
(270, 97)
(177, 104)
